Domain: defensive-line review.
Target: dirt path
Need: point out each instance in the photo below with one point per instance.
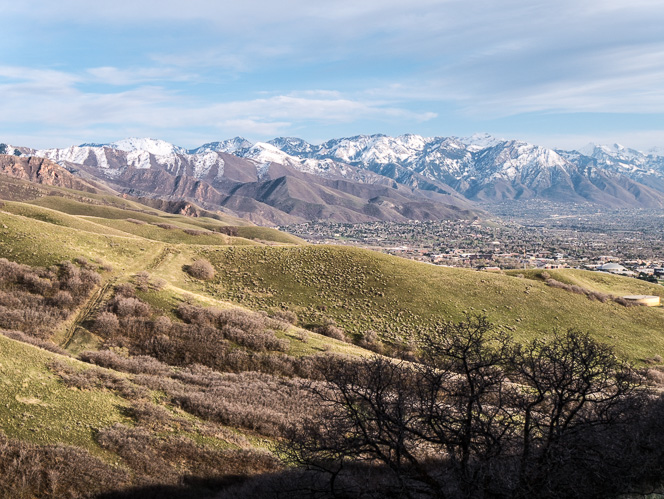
(86, 310)
(159, 259)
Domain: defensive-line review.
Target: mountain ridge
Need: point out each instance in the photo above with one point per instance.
(449, 173)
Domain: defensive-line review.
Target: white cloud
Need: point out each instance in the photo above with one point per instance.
(490, 59)
(41, 101)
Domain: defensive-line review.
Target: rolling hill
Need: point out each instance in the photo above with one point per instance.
(148, 379)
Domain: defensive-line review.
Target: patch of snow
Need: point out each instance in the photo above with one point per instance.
(479, 141)
(139, 159)
(153, 146)
(202, 163)
(261, 169)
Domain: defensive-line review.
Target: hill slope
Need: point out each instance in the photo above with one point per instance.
(185, 382)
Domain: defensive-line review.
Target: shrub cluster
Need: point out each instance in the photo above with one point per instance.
(229, 340)
(200, 269)
(166, 460)
(252, 400)
(331, 330)
(229, 230)
(54, 471)
(86, 379)
(35, 299)
(45, 344)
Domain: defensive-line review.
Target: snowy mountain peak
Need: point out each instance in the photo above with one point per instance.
(292, 145)
(235, 145)
(266, 152)
(479, 141)
(153, 146)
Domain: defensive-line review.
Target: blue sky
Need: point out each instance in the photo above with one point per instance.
(557, 73)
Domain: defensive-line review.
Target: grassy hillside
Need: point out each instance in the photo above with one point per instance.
(398, 298)
(358, 289)
(597, 281)
(170, 378)
(39, 408)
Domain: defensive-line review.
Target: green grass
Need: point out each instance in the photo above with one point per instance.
(267, 234)
(174, 236)
(74, 207)
(398, 298)
(115, 217)
(58, 218)
(36, 406)
(34, 242)
(359, 289)
(598, 281)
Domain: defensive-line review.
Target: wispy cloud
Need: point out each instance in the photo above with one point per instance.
(29, 100)
(271, 67)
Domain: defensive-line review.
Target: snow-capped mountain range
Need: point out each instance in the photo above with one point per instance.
(445, 171)
(483, 167)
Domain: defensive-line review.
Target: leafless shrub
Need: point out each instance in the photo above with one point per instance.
(168, 459)
(140, 364)
(81, 261)
(106, 324)
(194, 232)
(228, 230)
(125, 289)
(36, 284)
(370, 341)
(200, 269)
(573, 288)
(44, 344)
(54, 471)
(136, 221)
(626, 303)
(130, 307)
(162, 325)
(284, 315)
(62, 299)
(167, 226)
(332, 331)
(68, 271)
(654, 377)
(148, 414)
(87, 379)
(142, 280)
(255, 401)
(244, 328)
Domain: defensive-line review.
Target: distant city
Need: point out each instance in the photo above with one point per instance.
(625, 242)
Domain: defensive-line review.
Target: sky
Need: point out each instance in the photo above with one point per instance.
(556, 73)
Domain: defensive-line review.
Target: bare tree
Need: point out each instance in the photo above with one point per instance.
(478, 416)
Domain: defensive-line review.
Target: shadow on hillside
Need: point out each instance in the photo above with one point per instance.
(192, 488)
